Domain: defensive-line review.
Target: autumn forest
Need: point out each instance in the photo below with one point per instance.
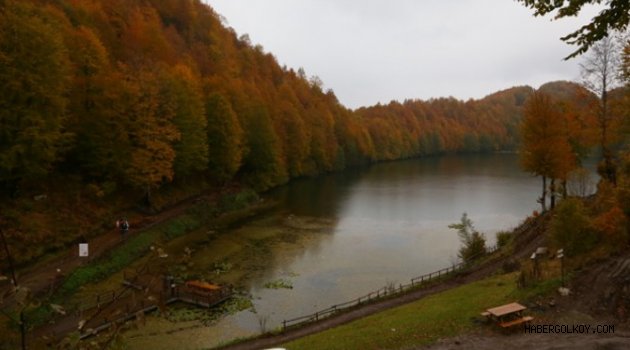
(127, 98)
(189, 159)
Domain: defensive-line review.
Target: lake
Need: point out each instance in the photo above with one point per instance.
(340, 236)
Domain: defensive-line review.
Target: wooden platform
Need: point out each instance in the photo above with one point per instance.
(145, 293)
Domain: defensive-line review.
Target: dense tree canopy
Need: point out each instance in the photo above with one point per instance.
(34, 79)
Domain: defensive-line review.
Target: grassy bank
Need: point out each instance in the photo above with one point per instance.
(425, 321)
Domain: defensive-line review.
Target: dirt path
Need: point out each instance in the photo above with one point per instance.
(44, 276)
(525, 245)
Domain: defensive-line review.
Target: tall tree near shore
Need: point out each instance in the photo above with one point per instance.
(261, 164)
(600, 73)
(151, 131)
(545, 150)
(295, 139)
(101, 145)
(225, 138)
(90, 61)
(181, 87)
(573, 103)
(34, 77)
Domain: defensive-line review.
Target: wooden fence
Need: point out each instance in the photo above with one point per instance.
(381, 294)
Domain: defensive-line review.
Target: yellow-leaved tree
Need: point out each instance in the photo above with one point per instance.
(545, 150)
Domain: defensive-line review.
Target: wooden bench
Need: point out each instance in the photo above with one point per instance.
(485, 314)
(517, 321)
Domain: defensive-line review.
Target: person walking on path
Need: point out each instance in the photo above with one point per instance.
(123, 226)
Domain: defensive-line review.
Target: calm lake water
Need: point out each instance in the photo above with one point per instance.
(340, 236)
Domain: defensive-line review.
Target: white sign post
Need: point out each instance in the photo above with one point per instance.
(83, 250)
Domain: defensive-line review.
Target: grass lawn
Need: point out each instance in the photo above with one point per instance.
(424, 321)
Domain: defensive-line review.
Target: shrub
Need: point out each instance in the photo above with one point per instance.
(571, 228)
(612, 226)
(180, 226)
(473, 242)
(503, 238)
(239, 200)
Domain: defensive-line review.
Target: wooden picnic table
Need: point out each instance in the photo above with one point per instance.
(506, 309)
(508, 315)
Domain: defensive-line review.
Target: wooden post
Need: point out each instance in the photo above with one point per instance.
(284, 325)
(10, 261)
(22, 329)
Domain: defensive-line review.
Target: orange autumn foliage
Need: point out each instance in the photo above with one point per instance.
(612, 225)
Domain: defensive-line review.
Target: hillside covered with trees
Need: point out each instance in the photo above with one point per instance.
(143, 93)
(108, 102)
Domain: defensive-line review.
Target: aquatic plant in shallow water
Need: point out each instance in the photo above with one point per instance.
(279, 284)
(207, 317)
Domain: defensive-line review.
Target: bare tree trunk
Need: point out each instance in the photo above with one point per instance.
(543, 198)
(552, 189)
(23, 329)
(22, 321)
(9, 257)
(599, 75)
(609, 167)
(147, 197)
(564, 188)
